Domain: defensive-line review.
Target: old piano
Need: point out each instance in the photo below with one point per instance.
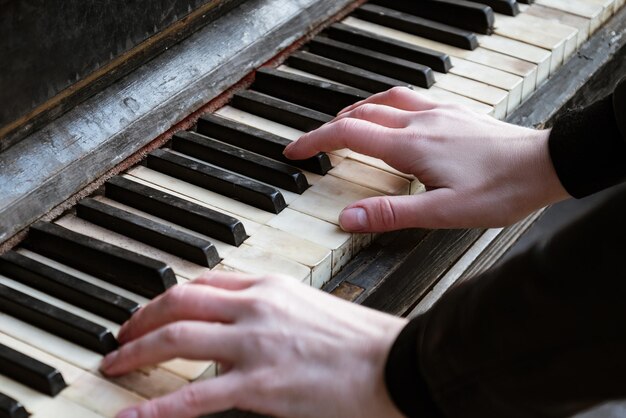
(144, 139)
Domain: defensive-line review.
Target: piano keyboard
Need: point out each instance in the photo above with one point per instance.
(222, 196)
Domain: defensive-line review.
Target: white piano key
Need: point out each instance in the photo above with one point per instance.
(182, 268)
(324, 233)
(506, 63)
(222, 248)
(254, 260)
(589, 10)
(441, 95)
(314, 256)
(292, 70)
(533, 54)
(43, 406)
(582, 24)
(196, 195)
(474, 90)
(84, 276)
(268, 125)
(551, 33)
(491, 76)
(374, 178)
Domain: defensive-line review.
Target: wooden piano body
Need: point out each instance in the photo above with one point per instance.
(74, 142)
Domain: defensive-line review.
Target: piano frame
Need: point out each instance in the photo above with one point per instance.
(47, 172)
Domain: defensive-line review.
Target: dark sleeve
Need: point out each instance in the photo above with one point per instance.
(588, 146)
(542, 335)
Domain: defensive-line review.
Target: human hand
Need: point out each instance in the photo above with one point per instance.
(288, 350)
(478, 171)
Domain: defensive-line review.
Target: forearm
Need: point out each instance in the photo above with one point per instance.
(542, 335)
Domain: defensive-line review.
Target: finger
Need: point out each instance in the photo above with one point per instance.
(185, 339)
(399, 97)
(383, 115)
(388, 213)
(184, 302)
(227, 280)
(358, 135)
(193, 400)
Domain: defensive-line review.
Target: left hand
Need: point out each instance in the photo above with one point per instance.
(288, 350)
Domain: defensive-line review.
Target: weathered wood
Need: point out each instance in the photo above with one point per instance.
(46, 168)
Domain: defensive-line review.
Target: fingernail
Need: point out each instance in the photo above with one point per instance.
(128, 413)
(354, 219)
(108, 360)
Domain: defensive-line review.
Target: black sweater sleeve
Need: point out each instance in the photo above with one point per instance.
(543, 335)
(588, 146)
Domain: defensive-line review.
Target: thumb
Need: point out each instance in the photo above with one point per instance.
(388, 213)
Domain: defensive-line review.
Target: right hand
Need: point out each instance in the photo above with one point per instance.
(478, 171)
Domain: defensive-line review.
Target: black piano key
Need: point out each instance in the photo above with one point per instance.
(419, 26)
(30, 372)
(176, 210)
(66, 287)
(259, 141)
(319, 95)
(459, 13)
(506, 7)
(158, 235)
(10, 408)
(342, 73)
(436, 60)
(220, 181)
(281, 111)
(526, 1)
(367, 59)
(135, 272)
(56, 321)
(241, 161)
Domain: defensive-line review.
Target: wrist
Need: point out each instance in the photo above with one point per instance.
(546, 180)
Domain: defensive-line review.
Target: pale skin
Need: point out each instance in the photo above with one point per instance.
(287, 350)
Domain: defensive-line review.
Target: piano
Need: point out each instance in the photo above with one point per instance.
(156, 155)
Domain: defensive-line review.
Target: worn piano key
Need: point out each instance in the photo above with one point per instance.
(318, 95)
(214, 178)
(493, 77)
(506, 63)
(323, 233)
(253, 260)
(197, 218)
(30, 372)
(417, 26)
(155, 234)
(341, 72)
(582, 8)
(10, 408)
(148, 383)
(57, 321)
(183, 269)
(461, 14)
(241, 161)
(314, 256)
(434, 59)
(67, 287)
(40, 405)
(260, 142)
(484, 93)
(89, 390)
(384, 64)
(135, 272)
(548, 27)
(368, 176)
(507, 7)
(582, 24)
(278, 110)
(512, 28)
(540, 57)
(203, 197)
